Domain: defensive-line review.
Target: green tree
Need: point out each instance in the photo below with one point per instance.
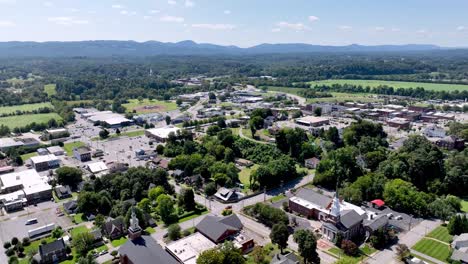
(187, 199)
(69, 176)
(104, 133)
(210, 256)
(279, 235)
(210, 189)
(145, 205)
(165, 209)
(307, 243)
(88, 259)
(318, 111)
(168, 120)
(83, 242)
(174, 232)
(154, 193)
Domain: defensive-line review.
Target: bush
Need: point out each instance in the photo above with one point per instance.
(10, 252)
(43, 241)
(114, 253)
(173, 232)
(349, 248)
(226, 212)
(13, 260)
(186, 232)
(26, 241)
(14, 241)
(7, 245)
(160, 149)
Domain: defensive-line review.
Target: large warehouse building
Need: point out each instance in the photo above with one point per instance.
(108, 119)
(161, 134)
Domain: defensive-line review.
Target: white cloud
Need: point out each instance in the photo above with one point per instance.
(67, 21)
(172, 2)
(154, 11)
(292, 26)
(72, 10)
(276, 30)
(117, 6)
(461, 28)
(215, 26)
(172, 19)
(48, 4)
(379, 29)
(227, 12)
(189, 3)
(313, 18)
(345, 28)
(6, 23)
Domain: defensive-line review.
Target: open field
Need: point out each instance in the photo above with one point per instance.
(433, 248)
(23, 108)
(68, 147)
(337, 97)
(23, 120)
(149, 106)
(441, 233)
(244, 175)
(395, 84)
(49, 89)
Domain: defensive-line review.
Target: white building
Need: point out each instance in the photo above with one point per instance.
(35, 187)
(45, 162)
(98, 168)
(161, 134)
(187, 250)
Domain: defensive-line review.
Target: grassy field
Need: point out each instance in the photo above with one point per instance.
(244, 175)
(119, 242)
(23, 120)
(395, 84)
(464, 205)
(49, 89)
(337, 97)
(25, 157)
(69, 147)
(433, 248)
(441, 233)
(78, 230)
(24, 108)
(149, 106)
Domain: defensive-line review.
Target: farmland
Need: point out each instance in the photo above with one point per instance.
(149, 106)
(49, 89)
(23, 108)
(23, 120)
(395, 84)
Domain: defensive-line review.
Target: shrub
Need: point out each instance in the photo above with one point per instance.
(14, 241)
(173, 232)
(349, 248)
(7, 245)
(186, 232)
(26, 241)
(10, 252)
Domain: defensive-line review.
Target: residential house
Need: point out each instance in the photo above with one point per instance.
(63, 192)
(114, 228)
(70, 207)
(52, 252)
(311, 163)
(451, 142)
(218, 229)
(460, 248)
(289, 258)
(225, 195)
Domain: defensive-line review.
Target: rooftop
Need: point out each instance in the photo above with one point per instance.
(97, 167)
(29, 179)
(312, 119)
(43, 158)
(145, 250)
(187, 249)
(163, 132)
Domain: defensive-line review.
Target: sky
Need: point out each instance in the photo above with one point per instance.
(239, 22)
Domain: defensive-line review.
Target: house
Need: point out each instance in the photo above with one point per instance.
(56, 150)
(244, 162)
(82, 153)
(46, 162)
(451, 142)
(97, 235)
(178, 174)
(460, 248)
(63, 192)
(311, 163)
(289, 258)
(70, 207)
(114, 228)
(98, 168)
(52, 252)
(142, 249)
(225, 195)
(7, 143)
(399, 123)
(29, 142)
(218, 229)
(42, 151)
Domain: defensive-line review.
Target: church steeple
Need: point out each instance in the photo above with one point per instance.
(134, 230)
(335, 208)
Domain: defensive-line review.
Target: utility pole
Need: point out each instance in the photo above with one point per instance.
(264, 194)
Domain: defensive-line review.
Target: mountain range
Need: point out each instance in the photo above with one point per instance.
(106, 48)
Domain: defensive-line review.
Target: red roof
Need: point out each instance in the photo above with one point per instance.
(378, 202)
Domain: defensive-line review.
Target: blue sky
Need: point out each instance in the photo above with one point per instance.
(239, 22)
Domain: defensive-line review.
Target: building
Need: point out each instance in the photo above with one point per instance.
(63, 192)
(45, 162)
(225, 195)
(451, 142)
(98, 168)
(70, 207)
(289, 258)
(460, 248)
(34, 187)
(218, 229)
(434, 131)
(142, 249)
(311, 163)
(50, 134)
(6, 169)
(7, 143)
(56, 150)
(108, 119)
(52, 252)
(13, 201)
(313, 121)
(399, 122)
(186, 250)
(29, 142)
(82, 153)
(114, 228)
(42, 152)
(161, 134)
(244, 162)
(310, 203)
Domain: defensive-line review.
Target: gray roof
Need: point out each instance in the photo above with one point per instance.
(51, 247)
(314, 197)
(376, 223)
(350, 218)
(289, 258)
(145, 250)
(459, 255)
(214, 227)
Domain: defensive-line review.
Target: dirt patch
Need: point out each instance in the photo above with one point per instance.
(150, 109)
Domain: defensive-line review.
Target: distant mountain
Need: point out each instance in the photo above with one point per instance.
(106, 48)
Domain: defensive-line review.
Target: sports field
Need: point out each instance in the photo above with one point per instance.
(433, 248)
(149, 106)
(24, 108)
(395, 84)
(50, 89)
(23, 120)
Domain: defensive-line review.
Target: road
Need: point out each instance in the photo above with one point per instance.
(301, 100)
(410, 238)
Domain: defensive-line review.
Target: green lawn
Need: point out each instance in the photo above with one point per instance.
(119, 242)
(433, 248)
(441, 233)
(78, 218)
(464, 205)
(68, 147)
(149, 106)
(24, 108)
(23, 120)
(150, 230)
(278, 197)
(395, 84)
(364, 252)
(190, 217)
(27, 156)
(35, 247)
(78, 230)
(337, 97)
(244, 175)
(135, 133)
(49, 89)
